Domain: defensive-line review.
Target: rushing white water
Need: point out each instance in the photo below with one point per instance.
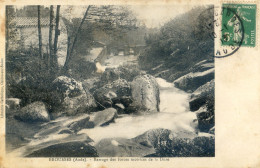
(173, 115)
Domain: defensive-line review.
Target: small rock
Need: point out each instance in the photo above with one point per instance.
(13, 103)
(65, 131)
(121, 106)
(116, 92)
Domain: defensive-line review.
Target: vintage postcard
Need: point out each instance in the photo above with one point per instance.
(108, 84)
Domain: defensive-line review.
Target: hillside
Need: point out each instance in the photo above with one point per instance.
(179, 45)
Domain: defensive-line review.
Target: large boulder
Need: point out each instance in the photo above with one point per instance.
(34, 112)
(68, 149)
(43, 143)
(199, 146)
(123, 72)
(145, 93)
(167, 143)
(103, 118)
(116, 92)
(191, 81)
(152, 138)
(76, 99)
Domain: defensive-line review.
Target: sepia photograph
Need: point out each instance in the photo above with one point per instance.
(110, 81)
(129, 84)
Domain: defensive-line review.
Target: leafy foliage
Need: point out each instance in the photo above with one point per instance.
(29, 78)
(31, 11)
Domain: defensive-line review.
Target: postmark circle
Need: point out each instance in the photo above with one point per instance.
(216, 31)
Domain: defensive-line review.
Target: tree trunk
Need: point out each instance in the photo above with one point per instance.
(50, 60)
(69, 55)
(57, 33)
(39, 31)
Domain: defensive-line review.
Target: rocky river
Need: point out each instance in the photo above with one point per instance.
(129, 114)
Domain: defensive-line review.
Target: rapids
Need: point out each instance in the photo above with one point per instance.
(174, 115)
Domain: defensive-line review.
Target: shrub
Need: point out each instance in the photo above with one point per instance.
(29, 78)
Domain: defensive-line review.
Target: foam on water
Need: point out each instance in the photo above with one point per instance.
(174, 115)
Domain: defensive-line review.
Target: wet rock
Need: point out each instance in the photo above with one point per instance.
(200, 96)
(65, 131)
(46, 131)
(121, 147)
(34, 112)
(116, 92)
(81, 124)
(39, 143)
(13, 103)
(75, 99)
(68, 149)
(191, 81)
(104, 117)
(57, 126)
(206, 119)
(145, 93)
